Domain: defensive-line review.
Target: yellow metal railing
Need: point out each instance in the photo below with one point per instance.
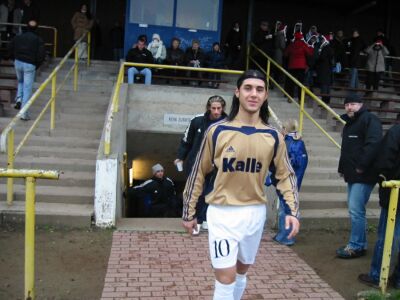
(30, 187)
(7, 135)
(391, 221)
(304, 91)
(55, 34)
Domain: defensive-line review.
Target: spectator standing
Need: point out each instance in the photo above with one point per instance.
(194, 57)
(3, 19)
(361, 139)
(312, 32)
(139, 54)
(298, 158)
(323, 67)
(239, 151)
(190, 146)
(339, 48)
(30, 11)
(355, 45)
(157, 49)
(215, 59)
(297, 53)
(28, 52)
(388, 166)
(14, 16)
(81, 22)
(263, 39)
(117, 41)
(233, 45)
(380, 35)
(375, 64)
(156, 197)
(279, 48)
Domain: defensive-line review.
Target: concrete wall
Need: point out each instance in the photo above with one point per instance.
(109, 204)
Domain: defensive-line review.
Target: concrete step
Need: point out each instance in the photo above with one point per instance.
(52, 194)
(61, 141)
(52, 163)
(333, 219)
(330, 200)
(40, 151)
(54, 214)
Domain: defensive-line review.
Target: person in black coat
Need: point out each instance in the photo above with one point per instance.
(191, 142)
(29, 12)
(215, 59)
(117, 41)
(139, 54)
(263, 39)
(233, 45)
(361, 139)
(356, 46)
(388, 167)
(175, 57)
(155, 197)
(323, 67)
(195, 57)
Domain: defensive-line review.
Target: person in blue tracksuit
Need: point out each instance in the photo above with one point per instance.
(298, 157)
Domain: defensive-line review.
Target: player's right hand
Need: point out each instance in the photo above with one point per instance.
(190, 225)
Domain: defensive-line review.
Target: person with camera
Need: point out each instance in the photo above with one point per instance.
(375, 64)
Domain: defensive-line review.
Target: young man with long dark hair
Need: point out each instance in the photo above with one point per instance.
(238, 152)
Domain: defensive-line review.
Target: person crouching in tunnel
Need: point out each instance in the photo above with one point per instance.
(155, 197)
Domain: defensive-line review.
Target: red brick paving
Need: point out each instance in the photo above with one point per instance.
(172, 266)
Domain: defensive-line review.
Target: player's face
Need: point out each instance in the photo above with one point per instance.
(216, 110)
(252, 94)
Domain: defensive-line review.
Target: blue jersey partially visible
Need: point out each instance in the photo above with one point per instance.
(297, 155)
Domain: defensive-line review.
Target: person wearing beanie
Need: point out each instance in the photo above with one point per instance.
(375, 64)
(157, 49)
(238, 152)
(28, 52)
(361, 139)
(155, 197)
(233, 46)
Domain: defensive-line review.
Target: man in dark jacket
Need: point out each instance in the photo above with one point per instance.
(29, 12)
(355, 45)
(175, 57)
(361, 137)
(155, 197)
(28, 52)
(323, 67)
(139, 54)
(388, 167)
(191, 142)
(195, 57)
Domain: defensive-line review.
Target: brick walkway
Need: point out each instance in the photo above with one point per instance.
(167, 265)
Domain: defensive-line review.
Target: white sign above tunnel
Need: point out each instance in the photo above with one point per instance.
(177, 119)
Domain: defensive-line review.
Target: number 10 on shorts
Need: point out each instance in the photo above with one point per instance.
(221, 248)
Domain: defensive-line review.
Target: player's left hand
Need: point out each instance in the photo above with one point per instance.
(190, 225)
(293, 222)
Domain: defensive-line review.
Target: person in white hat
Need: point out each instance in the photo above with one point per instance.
(157, 48)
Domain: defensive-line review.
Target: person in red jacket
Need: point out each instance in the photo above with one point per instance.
(296, 54)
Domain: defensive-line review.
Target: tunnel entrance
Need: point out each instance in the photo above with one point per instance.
(144, 150)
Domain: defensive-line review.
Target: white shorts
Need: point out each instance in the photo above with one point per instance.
(234, 233)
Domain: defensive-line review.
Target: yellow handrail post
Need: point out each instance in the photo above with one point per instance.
(268, 72)
(391, 221)
(76, 70)
(55, 43)
(53, 103)
(30, 238)
(301, 115)
(88, 48)
(10, 165)
(247, 56)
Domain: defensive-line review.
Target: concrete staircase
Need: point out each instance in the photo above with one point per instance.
(323, 195)
(71, 148)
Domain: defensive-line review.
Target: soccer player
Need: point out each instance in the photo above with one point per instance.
(238, 152)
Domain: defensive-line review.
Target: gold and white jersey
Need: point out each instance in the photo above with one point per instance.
(238, 159)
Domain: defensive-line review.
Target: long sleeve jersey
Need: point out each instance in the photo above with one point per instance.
(239, 158)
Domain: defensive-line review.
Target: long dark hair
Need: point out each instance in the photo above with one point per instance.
(264, 112)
